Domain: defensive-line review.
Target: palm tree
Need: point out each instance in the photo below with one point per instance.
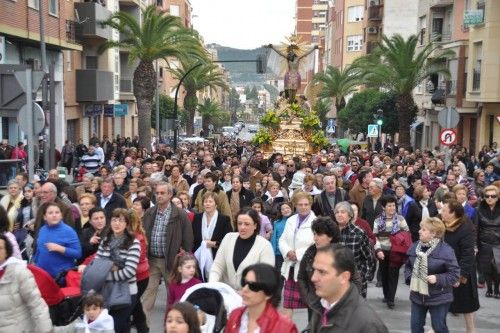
(207, 75)
(210, 112)
(397, 66)
(159, 36)
(338, 83)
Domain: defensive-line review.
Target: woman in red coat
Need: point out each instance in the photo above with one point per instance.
(260, 294)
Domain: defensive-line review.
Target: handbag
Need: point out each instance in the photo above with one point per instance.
(94, 275)
(116, 295)
(400, 244)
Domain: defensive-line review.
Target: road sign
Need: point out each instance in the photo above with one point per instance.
(35, 82)
(448, 118)
(372, 131)
(448, 136)
(38, 118)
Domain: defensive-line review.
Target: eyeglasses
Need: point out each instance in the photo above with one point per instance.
(290, 165)
(490, 196)
(254, 286)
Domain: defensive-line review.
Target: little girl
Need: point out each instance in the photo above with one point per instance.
(266, 228)
(183, 276)
(182, 318)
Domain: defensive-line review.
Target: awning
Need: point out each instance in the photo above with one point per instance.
(413, 127)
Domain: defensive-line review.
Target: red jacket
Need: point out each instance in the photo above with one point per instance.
(363, 225)
(143, 266)
(270, 321)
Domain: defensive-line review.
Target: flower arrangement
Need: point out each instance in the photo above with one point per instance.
(270, 119)
(297, 111)
(262, 137)
(311, 122)
(318, 139)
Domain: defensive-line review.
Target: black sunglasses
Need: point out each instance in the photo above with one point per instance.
(254, 286)
(492, 196)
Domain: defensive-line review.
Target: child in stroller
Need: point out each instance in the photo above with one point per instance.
(214, 301)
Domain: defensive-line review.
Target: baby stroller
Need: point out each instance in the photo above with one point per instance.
(64, 303)
(217, 300)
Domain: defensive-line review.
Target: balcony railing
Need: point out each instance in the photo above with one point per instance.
(375, 13)
(441, 37)
(126, 85)
(440, 3)
(91, 16)
(71, 32)
(476, 80)
(93, 85)
(449, 87)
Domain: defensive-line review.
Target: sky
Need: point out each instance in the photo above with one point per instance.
(244, 24)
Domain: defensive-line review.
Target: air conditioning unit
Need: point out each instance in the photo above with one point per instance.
(372, 30)
(374, 3)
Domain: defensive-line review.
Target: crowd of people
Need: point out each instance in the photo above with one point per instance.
(314, 229)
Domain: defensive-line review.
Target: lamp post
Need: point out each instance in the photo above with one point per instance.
(176, 127)
(380, 121)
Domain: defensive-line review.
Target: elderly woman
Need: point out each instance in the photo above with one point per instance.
(488, 229)
(133, 188)
(357, 240)
(178, 182)
(58, 246)
(209, 228)
(241, 249)
(431, 271)
(295, 240)
(86, 202)
(419, 210)
(86, 187)
(461, 194)
(272, 198)
(23, 310)
(260, 299)
(12, 202)
(386, 225)
(460, 236)
(479, 182)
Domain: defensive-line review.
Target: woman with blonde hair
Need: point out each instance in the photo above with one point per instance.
(12, 202)
(431, 271)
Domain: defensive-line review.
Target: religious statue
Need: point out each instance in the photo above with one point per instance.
(293, 53)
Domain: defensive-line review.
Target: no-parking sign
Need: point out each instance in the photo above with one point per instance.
(448, 136)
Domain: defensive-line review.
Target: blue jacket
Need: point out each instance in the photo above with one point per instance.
(55, 262)
(470, 212)
(278, 228)
(442, 263)
(406, 204)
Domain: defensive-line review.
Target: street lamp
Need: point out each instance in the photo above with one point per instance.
(379, 117)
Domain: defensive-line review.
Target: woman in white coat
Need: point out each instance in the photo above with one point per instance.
(241, 249)
(295, 240)
(22, 308)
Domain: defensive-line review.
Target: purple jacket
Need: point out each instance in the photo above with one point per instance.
(442, 263)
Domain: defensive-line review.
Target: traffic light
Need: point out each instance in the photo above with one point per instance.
(380, 122)
(379, 117)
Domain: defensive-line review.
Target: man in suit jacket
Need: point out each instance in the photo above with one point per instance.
(168, 231)
(108, 199)
(324, 203)
(371, 205)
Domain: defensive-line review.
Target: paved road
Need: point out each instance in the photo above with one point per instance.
(397, 320)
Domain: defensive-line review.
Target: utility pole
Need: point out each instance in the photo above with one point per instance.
(157, 116)
(43, 51)
(52, 119)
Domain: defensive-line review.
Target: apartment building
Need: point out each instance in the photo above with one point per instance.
(20, 44)
(442, 21)
(483, 66)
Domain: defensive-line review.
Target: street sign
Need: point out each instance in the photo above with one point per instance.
(35, 82)
(448, 118)
(448, 136)
(372, 131)
(38, 118)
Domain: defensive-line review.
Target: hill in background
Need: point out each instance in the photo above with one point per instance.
(242, 73)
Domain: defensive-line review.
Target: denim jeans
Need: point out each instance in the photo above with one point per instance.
(438, 317)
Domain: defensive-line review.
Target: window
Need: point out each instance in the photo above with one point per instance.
(355, 13)
(33, 4)
(91, 62)
(175, 10)
(354, 43)
(476, 75)
(54, 7)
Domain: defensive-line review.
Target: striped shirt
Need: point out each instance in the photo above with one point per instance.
(127, 273)
(91, 162)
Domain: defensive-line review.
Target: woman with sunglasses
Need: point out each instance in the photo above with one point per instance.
(488, 228)
(260, 294)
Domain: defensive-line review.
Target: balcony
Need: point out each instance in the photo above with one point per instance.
(93, 85)
(441, 37)
(71, 32)
(90, 16)
(476, 80)
(375, 13)
(130, 3)
(440, 3)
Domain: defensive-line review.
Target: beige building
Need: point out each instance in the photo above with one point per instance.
(483, 66)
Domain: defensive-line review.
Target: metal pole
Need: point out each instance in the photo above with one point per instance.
(158, 134)
(176, 130)
(52, 119)
(30, 134)
(43, 52)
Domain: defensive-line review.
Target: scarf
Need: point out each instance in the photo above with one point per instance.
(425, 210)
(395, 223)
(234, 204)
(114, 250)
(420, 271)
(208, 227)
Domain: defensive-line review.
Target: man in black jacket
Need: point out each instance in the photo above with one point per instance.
(108, 199)
(324, 203)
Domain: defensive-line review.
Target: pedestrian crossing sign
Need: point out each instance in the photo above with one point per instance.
(372, 131)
